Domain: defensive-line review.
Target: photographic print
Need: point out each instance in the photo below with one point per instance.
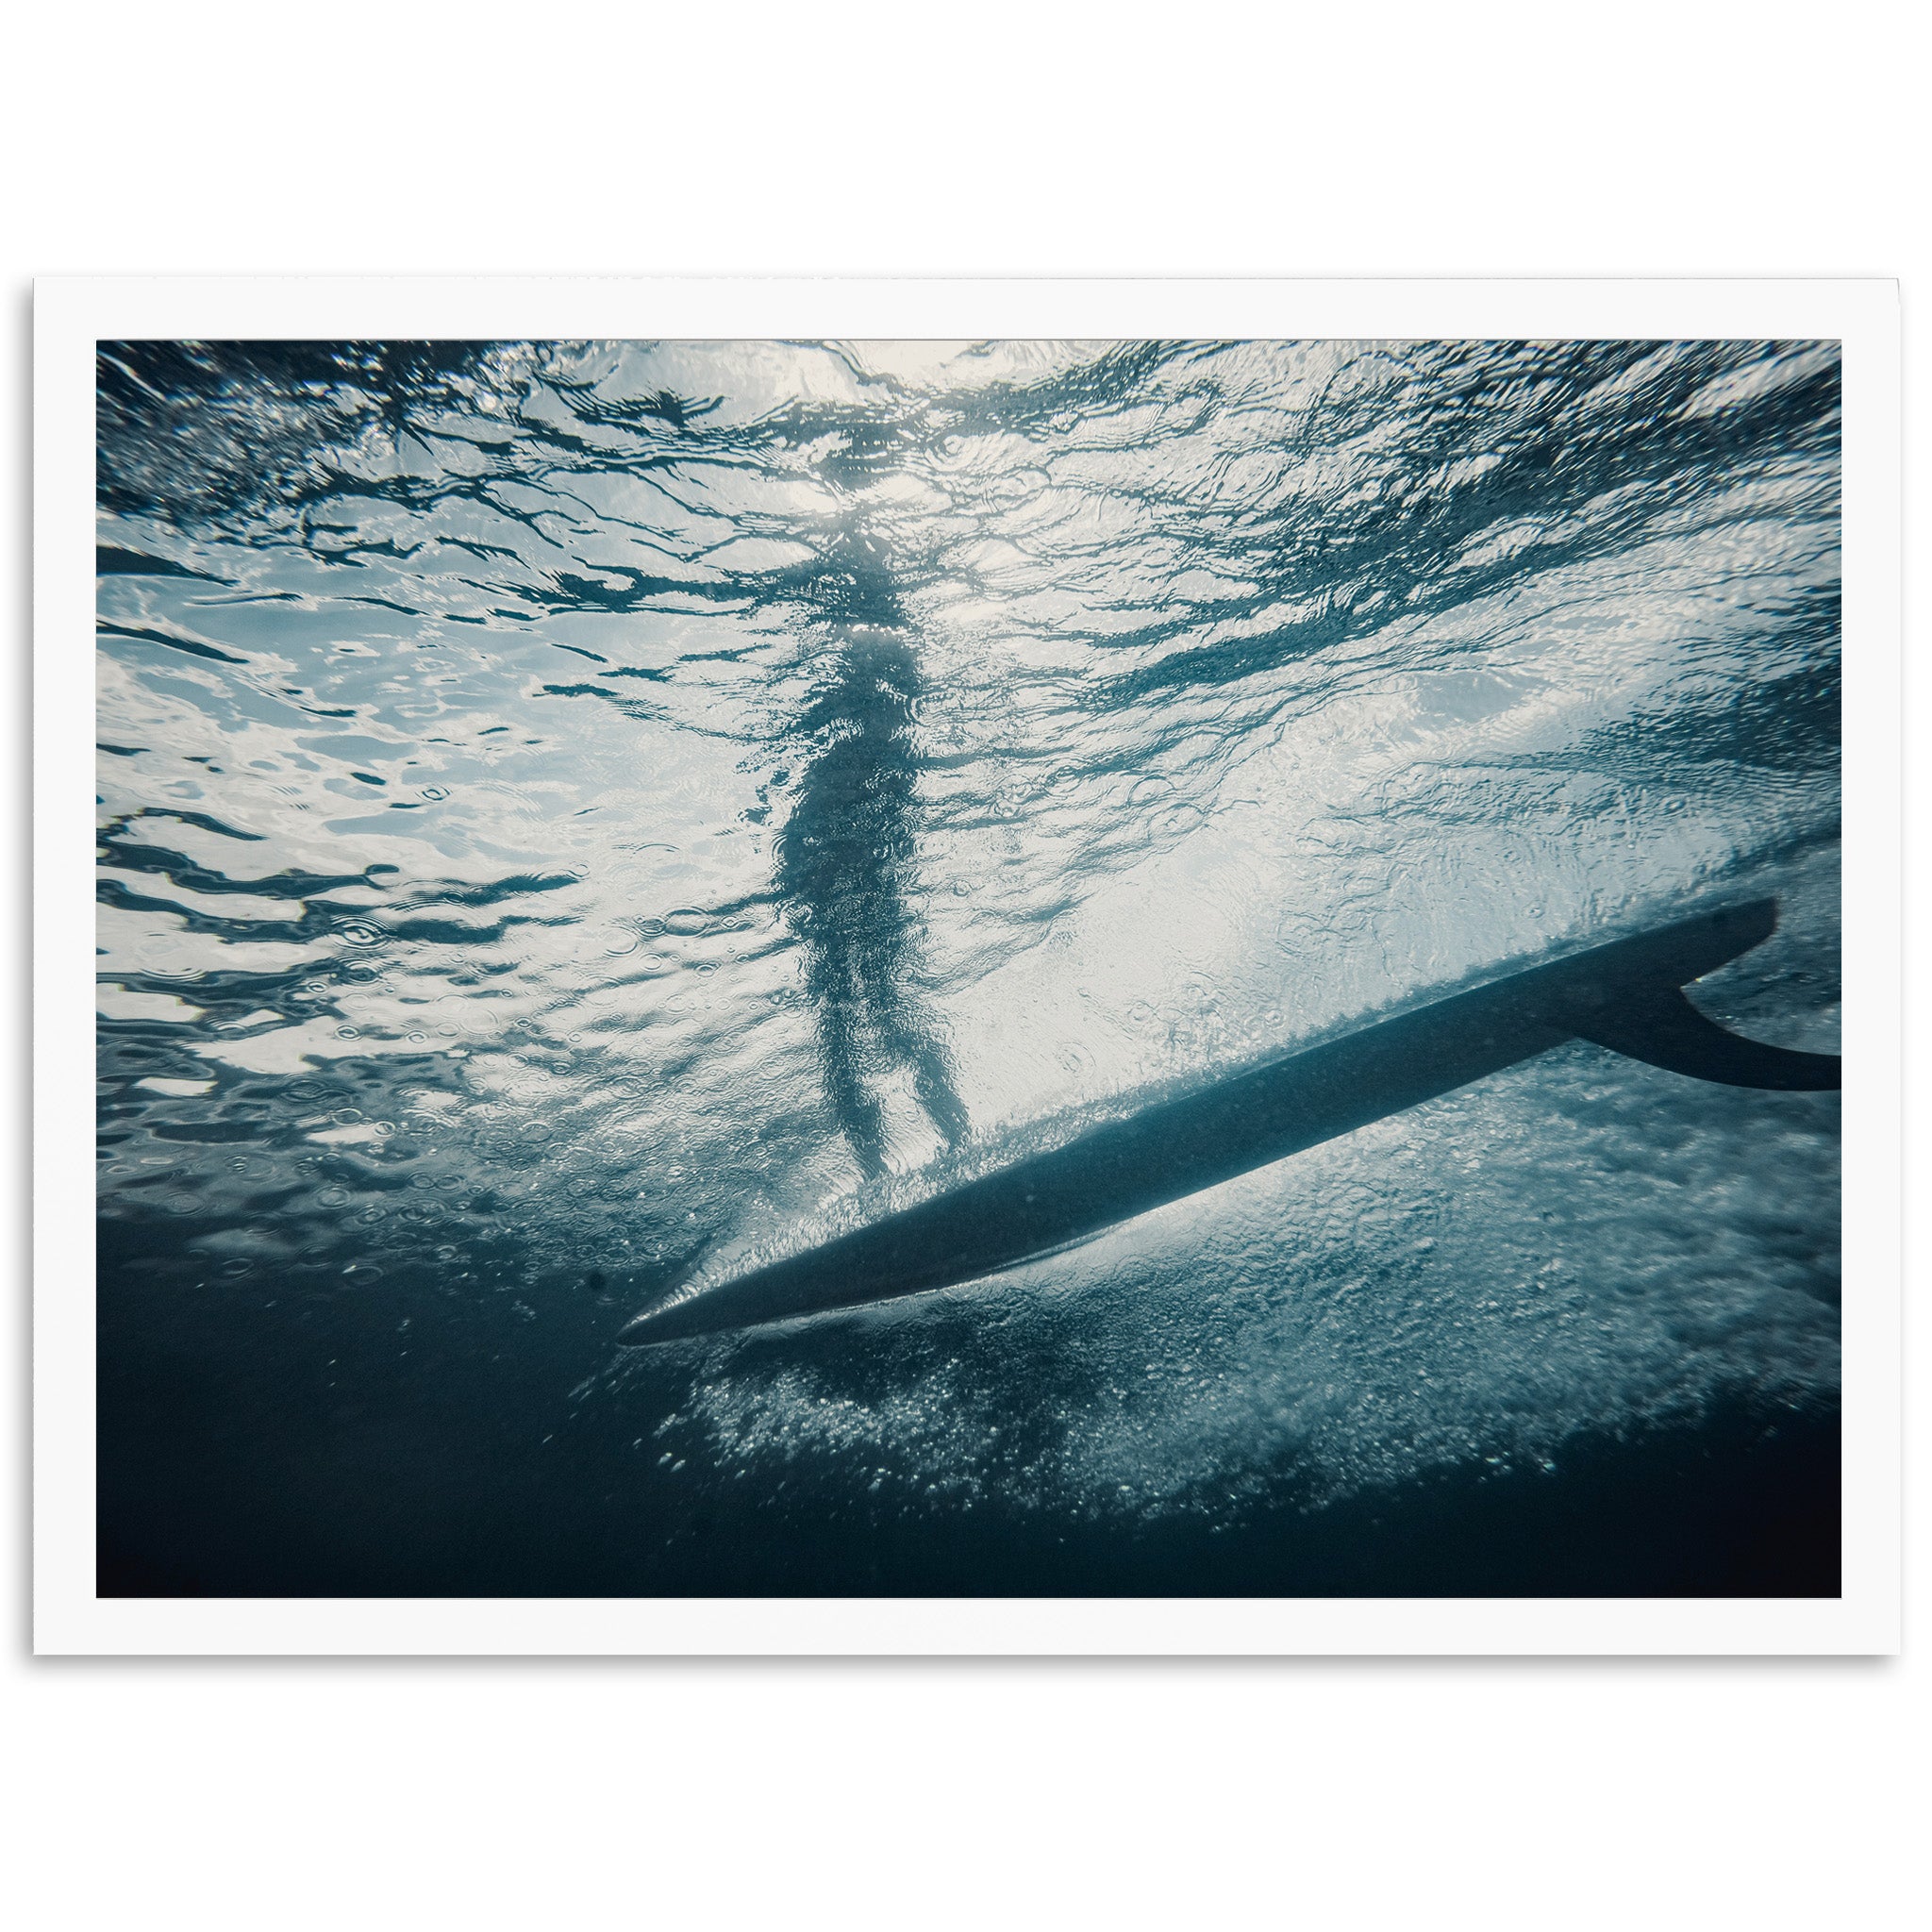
(1024, 969)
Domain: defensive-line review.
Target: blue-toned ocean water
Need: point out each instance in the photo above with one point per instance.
(568, 809)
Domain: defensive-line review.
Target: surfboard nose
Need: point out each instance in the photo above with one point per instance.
(670, 1320)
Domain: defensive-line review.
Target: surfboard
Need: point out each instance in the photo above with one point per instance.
(1626, 995)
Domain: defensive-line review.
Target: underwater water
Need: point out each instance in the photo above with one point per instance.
(571, 811)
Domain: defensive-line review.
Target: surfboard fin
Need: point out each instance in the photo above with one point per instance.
(1662, 1029)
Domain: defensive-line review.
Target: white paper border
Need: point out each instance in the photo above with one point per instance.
(72, 314)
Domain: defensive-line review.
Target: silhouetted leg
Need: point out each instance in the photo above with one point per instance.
(932, 1081)
(916, 1047)
(857, 1113)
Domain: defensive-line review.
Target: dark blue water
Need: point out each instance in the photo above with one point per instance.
(569, 810)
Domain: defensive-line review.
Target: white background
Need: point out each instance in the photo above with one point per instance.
(1673, 140)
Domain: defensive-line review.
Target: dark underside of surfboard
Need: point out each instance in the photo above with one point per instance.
(1626, 995)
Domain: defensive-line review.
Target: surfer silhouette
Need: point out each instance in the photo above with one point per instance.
(846, 857)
